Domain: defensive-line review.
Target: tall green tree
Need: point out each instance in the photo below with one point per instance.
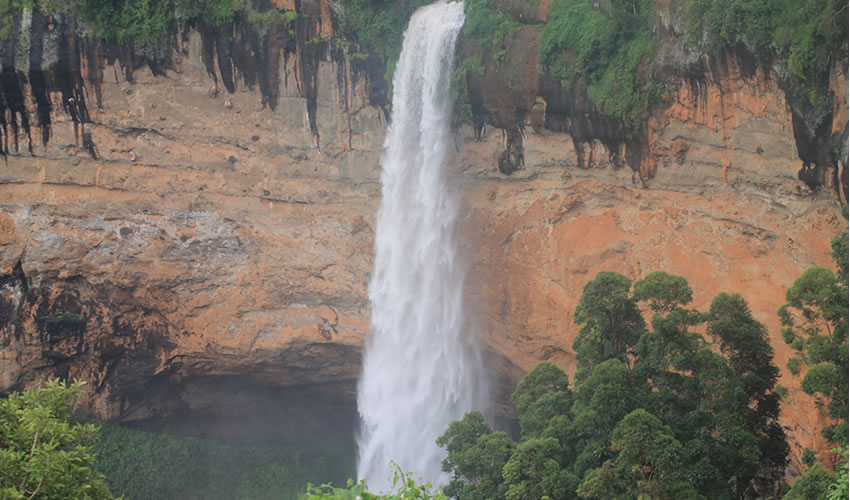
(541, 395)
(533, 472)
(661, 412)
(815, 320)
(42, 453)
(716, 392)
(750, 401)
(602, 399)
(476, 457)
(609, 320)
(664, 292)
(650, 463)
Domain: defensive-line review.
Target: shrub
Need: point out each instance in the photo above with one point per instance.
(404, 488)
(43, 454)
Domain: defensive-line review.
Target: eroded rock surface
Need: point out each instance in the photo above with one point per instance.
(208, 243)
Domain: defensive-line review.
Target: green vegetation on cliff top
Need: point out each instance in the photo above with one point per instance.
(808, 36)
(145, 21)
(610, 49)
(379, 25)
(489, 28)
(611, 52)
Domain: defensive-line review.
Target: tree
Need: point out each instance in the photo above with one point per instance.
(745, 436)
(743, 341)
(542, 394)
(543, 401)
(813, 485)
(815, 318)
(43, 454)
(476, 456)
(716, 393)
(534, 473)
(840, 489)
(611, 392)
(649, 463)
(663, 291)
(609, 320)
(660, 413)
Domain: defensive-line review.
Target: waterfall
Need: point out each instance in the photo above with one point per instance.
(421, 369)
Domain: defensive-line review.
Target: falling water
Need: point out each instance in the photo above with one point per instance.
(420, 369)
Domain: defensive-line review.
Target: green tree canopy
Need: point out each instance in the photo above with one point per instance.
(609, 320)
(650, 463)
(815, 319)
(476, 456)
(813, 485)
(542, 394)
(42, 453)
(533, 472)
(654, 413)
(663, 291)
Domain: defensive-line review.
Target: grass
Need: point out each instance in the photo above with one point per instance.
(142, 465)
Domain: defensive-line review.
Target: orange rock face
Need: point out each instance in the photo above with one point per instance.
(535, 242)
(723, 208)
(216, 238)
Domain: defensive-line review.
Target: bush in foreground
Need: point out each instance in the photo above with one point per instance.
(404, 488)
(43, 454)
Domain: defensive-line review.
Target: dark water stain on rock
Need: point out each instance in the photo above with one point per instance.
(505, 94)
(52, 52)
(13, 113)
(63, 57)
(822, 153)
(571, 111)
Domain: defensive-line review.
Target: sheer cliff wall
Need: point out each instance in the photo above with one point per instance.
(190, 225)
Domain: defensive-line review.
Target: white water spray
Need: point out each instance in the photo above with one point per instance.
(421, 370)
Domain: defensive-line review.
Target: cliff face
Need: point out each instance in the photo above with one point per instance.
(189, 227)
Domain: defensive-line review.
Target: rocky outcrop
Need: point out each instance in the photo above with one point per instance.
(138, 259)
(200, 231)
(515, 93)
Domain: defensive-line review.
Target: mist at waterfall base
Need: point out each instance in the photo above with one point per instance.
(421, 367)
